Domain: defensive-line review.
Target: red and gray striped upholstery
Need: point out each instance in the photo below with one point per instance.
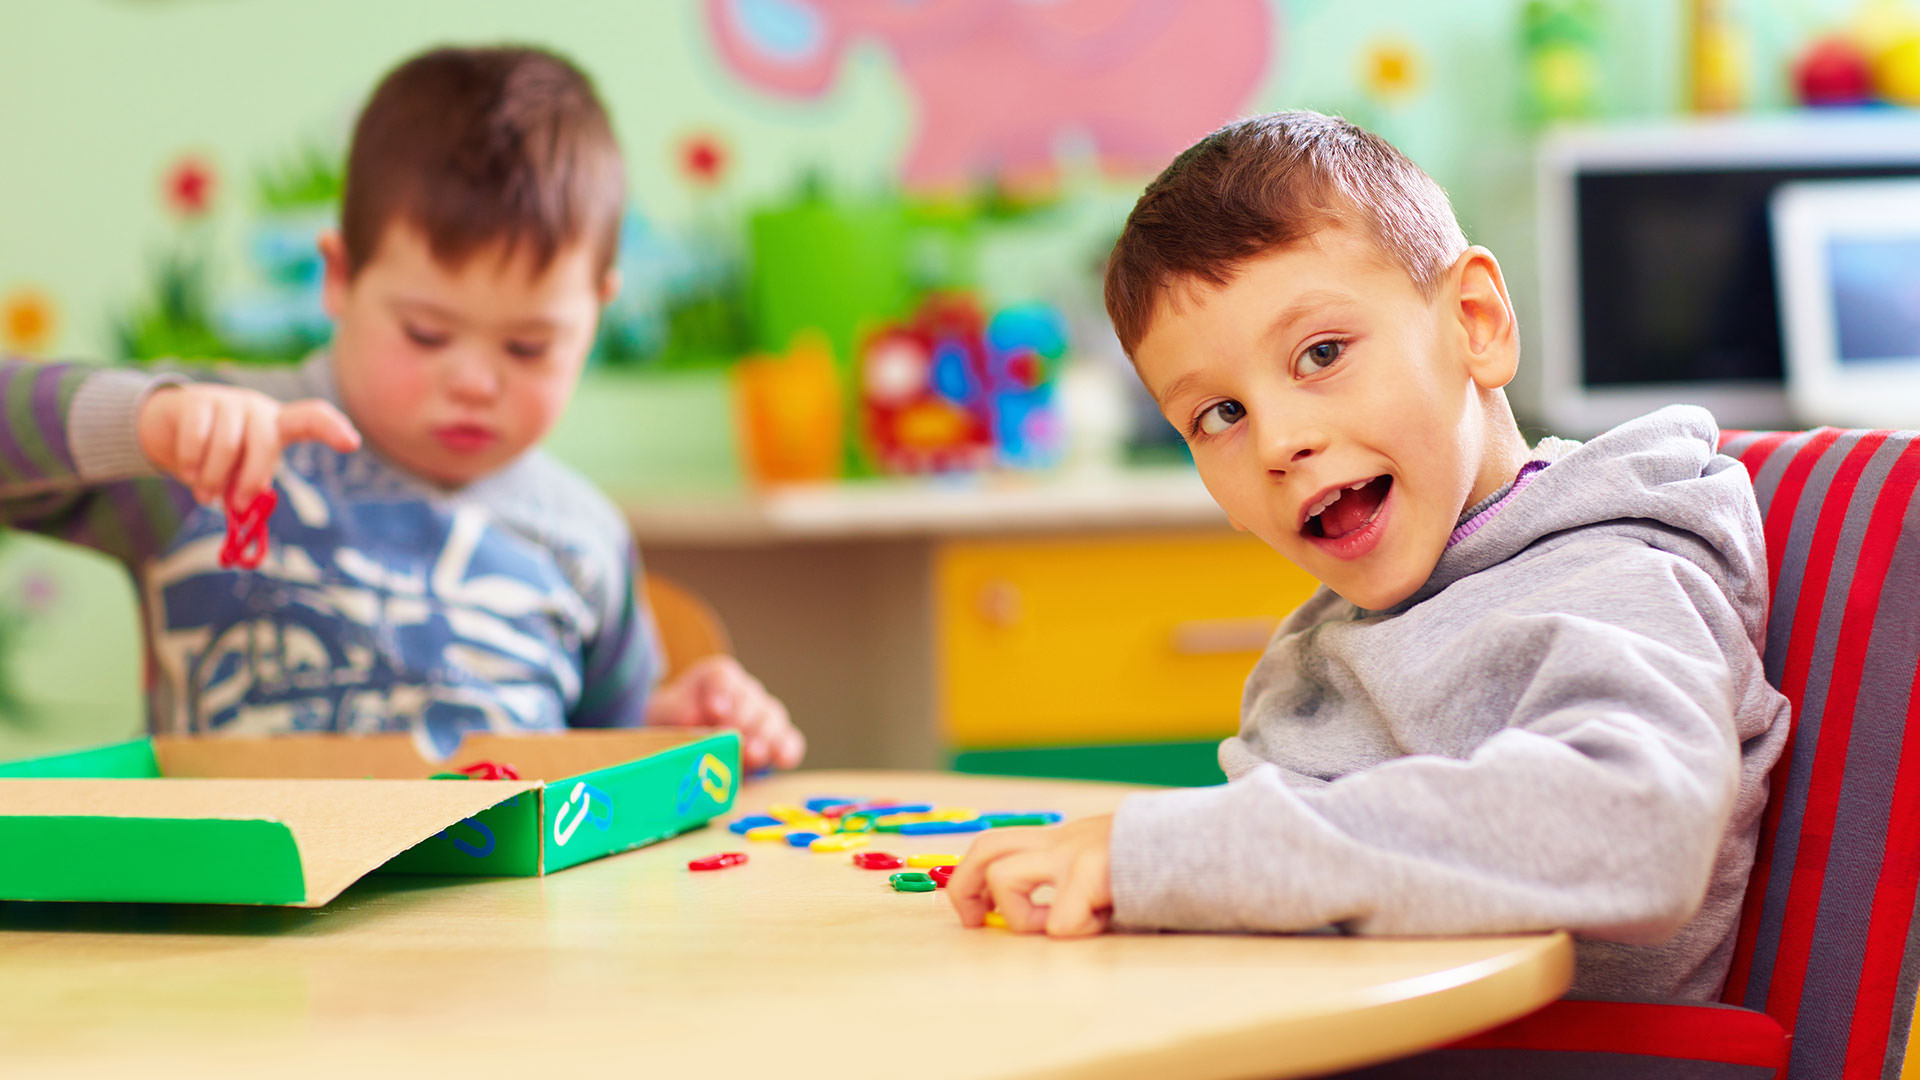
(1826, 948)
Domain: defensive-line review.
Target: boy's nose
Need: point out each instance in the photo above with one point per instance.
(471, 378)
(1284, 446)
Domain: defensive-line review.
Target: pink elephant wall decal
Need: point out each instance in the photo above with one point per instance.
(997, 83)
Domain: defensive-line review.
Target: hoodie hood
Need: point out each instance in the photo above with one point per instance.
(1662, 472)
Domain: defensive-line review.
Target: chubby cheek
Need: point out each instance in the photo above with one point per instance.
(535, 403)
(402, 384)
(387, 391)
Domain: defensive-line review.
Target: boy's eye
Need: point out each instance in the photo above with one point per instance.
(526, 350)
(424, 338)
(1319, 357)
(1220, 417)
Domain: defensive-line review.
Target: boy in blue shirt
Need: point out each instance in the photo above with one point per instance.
(1529, 694)
(429, 571)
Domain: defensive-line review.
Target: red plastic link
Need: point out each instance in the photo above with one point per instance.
(877, 860)
(490, 770)
(940, 874)
(246, 543)
(718, 862)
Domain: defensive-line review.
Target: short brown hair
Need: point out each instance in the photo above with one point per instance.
(1265, 182)
(477, 146)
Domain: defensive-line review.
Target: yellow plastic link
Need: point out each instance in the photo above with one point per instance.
(839, 842)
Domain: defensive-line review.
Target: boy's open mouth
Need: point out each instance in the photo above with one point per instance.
(1346, 509)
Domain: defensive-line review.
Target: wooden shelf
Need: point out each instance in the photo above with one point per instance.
(970, 505)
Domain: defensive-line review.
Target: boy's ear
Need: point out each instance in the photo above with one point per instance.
(1489, 334)
(609, 285)
(334, 278)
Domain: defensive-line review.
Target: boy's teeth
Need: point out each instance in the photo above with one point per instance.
(1334, 497)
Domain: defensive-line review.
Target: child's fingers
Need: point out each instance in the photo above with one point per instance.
(259, 457)
(193, 426)
(753, 752)
(1073, 912)
(1012, 881)
(789, 747)
(314, 420)
(223, 450)
(967, 888)
(672, 706)
(754, 710)
(719, 706)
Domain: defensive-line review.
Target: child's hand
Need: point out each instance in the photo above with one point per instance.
(1003, 868)
(718, 692)
(221, 440)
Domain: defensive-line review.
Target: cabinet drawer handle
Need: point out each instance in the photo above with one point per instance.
(999, 604)
(1212, 637)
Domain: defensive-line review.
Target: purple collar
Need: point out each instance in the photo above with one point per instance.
(1472, 525)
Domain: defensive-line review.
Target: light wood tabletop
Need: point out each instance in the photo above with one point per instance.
(793, 965)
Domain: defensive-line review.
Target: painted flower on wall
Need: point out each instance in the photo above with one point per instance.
(703, 159)
(188, 186)
(27, 321)
(1391, 70)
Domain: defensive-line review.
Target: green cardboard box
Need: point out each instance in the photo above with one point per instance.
(294, 820)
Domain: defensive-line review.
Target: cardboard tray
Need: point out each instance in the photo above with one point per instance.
(294, 820)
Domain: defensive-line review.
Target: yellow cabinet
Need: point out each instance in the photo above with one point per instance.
(1086, 640)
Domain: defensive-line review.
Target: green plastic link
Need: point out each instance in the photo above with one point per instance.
(912, 881)
(1003, 821)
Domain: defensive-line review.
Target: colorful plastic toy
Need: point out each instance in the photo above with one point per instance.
(246, 543)
(952, 390)
(1834, 71)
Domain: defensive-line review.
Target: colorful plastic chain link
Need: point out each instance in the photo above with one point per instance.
(246, 543)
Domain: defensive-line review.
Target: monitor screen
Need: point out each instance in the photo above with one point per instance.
(1657, 258)
(1677, 274)
(1874, 284)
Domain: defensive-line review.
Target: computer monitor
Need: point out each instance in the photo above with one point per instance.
(1657, 263)
(1849, 255)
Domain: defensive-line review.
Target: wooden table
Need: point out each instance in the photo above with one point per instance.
(795, 965)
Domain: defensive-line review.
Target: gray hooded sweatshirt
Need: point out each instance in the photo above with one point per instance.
(1567, 726)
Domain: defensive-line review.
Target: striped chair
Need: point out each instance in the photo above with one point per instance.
(1827, 961)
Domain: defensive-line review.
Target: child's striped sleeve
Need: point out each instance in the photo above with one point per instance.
(621, 664)
(70, 460)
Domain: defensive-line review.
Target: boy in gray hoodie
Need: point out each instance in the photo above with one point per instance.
(1528, 696)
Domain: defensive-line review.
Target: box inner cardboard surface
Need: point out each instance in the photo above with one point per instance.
(397, 757)
(342, 827)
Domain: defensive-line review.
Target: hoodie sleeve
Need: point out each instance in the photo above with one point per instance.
(1597, 805)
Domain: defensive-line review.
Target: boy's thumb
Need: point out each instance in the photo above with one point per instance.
(318, 421)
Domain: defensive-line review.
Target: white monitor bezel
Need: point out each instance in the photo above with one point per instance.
(1782, 141)
(1820, 388)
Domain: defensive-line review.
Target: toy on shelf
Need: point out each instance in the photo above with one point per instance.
(1834, 71)
(1562, 42)
(789, 414)
(1873, 58)
(1717, 75)
(952, 390)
